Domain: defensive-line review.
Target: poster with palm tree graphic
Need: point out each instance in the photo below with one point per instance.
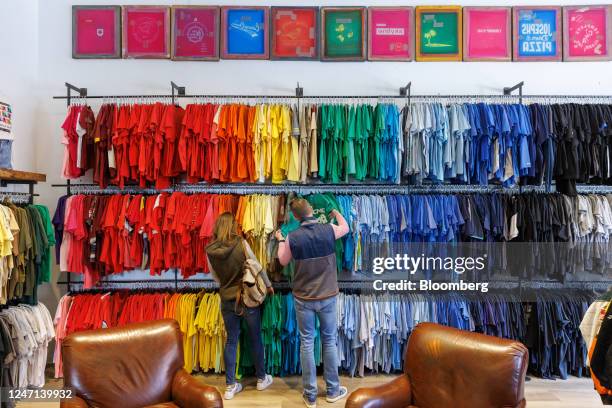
(439, 31)
(343, 30)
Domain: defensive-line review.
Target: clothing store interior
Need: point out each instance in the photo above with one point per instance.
(341, 203)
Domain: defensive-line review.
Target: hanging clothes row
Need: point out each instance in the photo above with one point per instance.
(373, 330)
(468, 143)
(98, 235)
(101, 235)
(26, 237)
(25, 333)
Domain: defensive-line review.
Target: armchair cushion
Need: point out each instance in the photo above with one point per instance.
(456, 368)
(74, 402)
(133, 365)
(188, 392)
(394, 394)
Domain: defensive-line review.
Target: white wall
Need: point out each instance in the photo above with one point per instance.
(40, 147)
(18, 73)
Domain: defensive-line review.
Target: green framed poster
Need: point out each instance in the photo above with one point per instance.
(343, 33)
(439, 33)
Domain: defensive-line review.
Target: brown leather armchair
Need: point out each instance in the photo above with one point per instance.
(134, 366)
(446, 367)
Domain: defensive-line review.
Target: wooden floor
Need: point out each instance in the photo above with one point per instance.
(286, 393)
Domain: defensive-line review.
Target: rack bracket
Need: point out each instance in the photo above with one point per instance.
(405, 90)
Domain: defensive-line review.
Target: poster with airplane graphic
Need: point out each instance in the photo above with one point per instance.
(244, 32)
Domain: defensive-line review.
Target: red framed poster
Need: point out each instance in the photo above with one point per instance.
(195, 33)
(96, 32)
(146, 32)
(587, 33)
(294, 33)
(487, 33)
(390, 33)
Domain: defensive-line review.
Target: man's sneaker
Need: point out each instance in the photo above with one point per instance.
(232, 390)
(265, 383)
(309, 403)
(342, 393)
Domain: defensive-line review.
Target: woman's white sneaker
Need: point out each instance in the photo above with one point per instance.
(265, 383)
(232, 390)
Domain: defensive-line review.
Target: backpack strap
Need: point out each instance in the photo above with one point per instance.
(238, 304)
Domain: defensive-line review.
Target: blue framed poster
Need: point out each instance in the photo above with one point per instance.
(244, 32)
(537, 33)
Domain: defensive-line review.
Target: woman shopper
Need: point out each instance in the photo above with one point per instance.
(226, 255)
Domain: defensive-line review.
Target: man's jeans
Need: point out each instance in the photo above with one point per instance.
(307, 311)
(232, 326)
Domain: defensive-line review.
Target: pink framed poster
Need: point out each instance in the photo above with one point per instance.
(146, 32)
(587, 33)
(487, 34)
(390, 33)
(195, 33)
(96, 32)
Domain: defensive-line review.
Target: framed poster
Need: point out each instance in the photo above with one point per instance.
(536, 33)
(486, 34)
(195, 33)
(96, 31)
(294, 33)
(146, 32)
(244, 32)
(587, 33)
(390, 33)
(438, 33)
(343, 33)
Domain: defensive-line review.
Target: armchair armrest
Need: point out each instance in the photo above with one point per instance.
(394, 394)
(74, 402)
(188, 392)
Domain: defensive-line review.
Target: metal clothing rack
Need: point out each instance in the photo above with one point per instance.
(304, 189)
(16, 177)
(207, 284)
(179, 92)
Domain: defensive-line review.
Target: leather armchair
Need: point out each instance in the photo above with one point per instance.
(446, 367)
(134, 366)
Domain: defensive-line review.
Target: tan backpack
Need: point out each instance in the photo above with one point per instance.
(252, 286)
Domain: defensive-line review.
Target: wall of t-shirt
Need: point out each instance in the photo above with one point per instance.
(508, 144)
(101, 235)
(373, 330)
(424, 33)
(26, 238)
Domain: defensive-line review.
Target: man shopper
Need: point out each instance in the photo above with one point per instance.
(315, 288)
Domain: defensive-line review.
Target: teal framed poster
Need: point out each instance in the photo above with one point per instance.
(439, 32)
(343, 33)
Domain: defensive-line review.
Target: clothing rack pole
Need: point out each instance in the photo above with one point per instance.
(82, 93)
(348, 188)
(422, 96)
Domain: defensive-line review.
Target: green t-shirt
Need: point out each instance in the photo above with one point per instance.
(45, 266)
(322, 204)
